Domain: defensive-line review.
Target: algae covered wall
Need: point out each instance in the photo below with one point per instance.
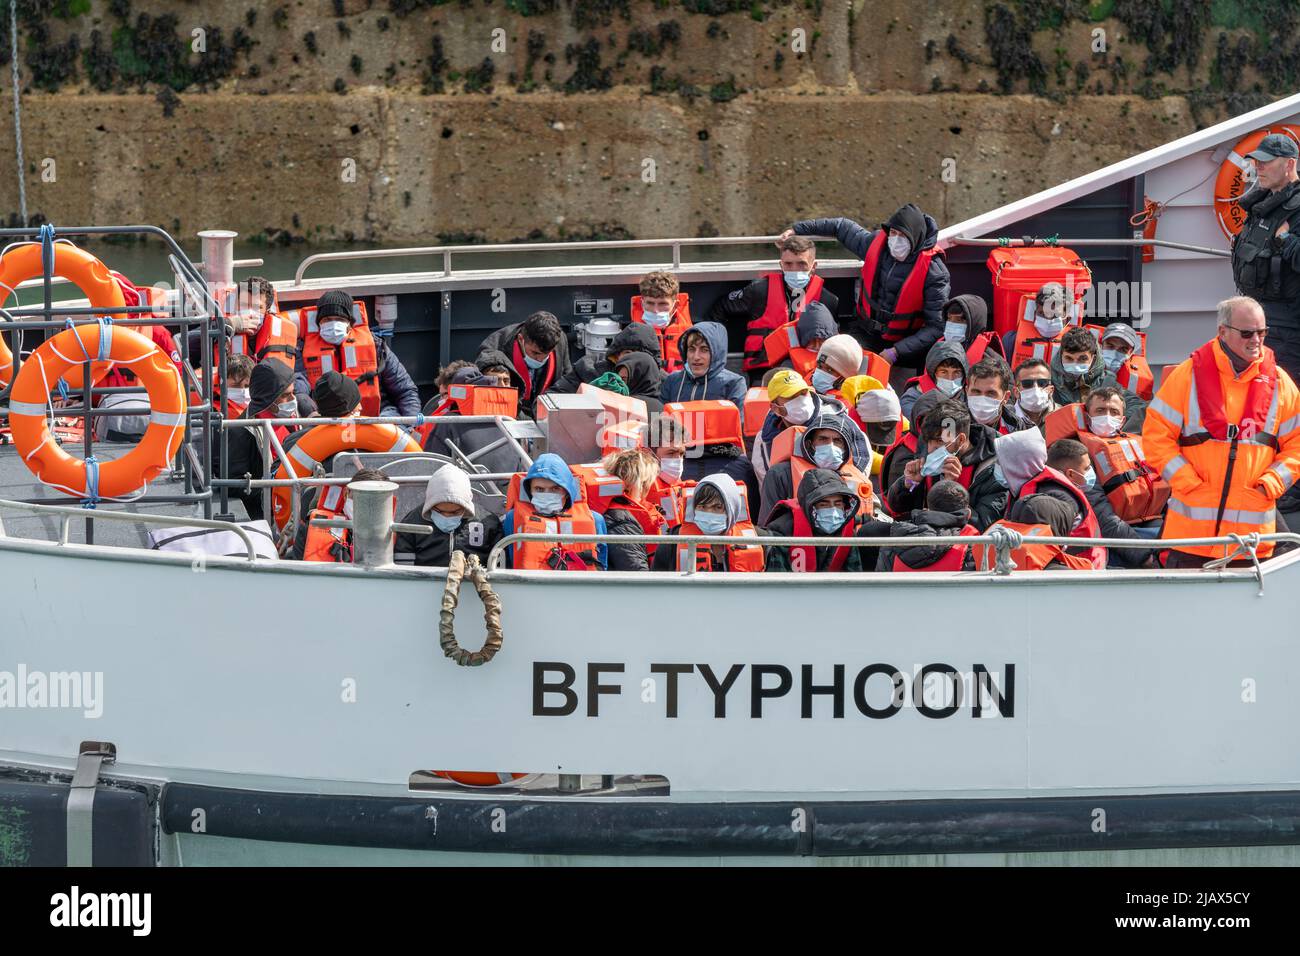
(420, 121)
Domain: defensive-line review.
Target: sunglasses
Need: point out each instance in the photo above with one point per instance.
(1035, 382)
(1248, 334)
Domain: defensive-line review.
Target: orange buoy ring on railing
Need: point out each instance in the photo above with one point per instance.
(90, 480)
(321, 442)
(92, 277)
(1233, 180)
(470, 778)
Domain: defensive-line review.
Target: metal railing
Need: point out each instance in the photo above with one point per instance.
(68, 512)
(1031, 241)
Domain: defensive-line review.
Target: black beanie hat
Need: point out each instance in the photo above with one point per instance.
(910, 221)
(334, 304)
(335, 395)
(266, 383)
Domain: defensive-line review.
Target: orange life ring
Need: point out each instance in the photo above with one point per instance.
(469, 778)
(79, 267)
(321, 442)
(1231, 183)
(29, 400)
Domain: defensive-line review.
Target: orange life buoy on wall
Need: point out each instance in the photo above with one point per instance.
(1232, 183)
(23, 262)
(321, 442)
(29, 400)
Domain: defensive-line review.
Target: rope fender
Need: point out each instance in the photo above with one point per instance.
(457, 568)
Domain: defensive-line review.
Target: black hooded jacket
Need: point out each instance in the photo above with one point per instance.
(749, 302)
(645, 378)
(634, 337)
(244, 456)
(498, 349)
(919, 557)
(988, 499)
(891, 274)
(940, 352)
(817, 484)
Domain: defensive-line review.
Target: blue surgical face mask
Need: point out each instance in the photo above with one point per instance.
(828, 456)
(828, 520)
(949, 386)
(548, 502)
(934, 461)
(657, 320)
(1089, 479)
(954, 332)
(1078, 369)
(797, 280)
(710, 522)
(1000, 478)
(1112, 359)
(533, 363)
(823, 381)
(444, 523)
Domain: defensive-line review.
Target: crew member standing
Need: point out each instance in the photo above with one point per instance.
(1224, 431)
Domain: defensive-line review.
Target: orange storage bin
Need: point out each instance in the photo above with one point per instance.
(1019, 270)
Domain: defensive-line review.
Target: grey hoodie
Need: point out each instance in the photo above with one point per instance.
(939, 352)
(1021, 455)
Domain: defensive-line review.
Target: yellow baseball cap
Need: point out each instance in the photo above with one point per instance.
(786, 383)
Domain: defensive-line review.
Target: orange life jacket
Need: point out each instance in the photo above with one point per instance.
(356, 356)
(671, 499)
(276, 337)
(1135, 490)
(776, 312)
(648, 516)
(473, 400)
(713, 421)
(326, 544)
(908, 314)
(1087, 528)
(783, 449)
(1029, 343)
(1135, 374)
(803, 529)
(1029, 556)
(599, 487)
(669, 336)
(757, 405)
(740, 557)
(954, 559)
(553, 555)
(783, 343)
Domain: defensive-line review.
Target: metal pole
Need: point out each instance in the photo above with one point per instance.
(372, 521)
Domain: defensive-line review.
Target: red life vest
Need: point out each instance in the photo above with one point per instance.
(553, 555)
(669, 351)
(980, 347)
(649, 517)
(907, 315)
(803, 529)
(356, 357)
(525, 373)
(1209, 395)
(907, 443)
(954, 559)
(776, 313)
(859, 483)
(1087, 528)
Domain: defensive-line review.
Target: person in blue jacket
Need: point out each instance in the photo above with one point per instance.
(706, 376)
(551, 488)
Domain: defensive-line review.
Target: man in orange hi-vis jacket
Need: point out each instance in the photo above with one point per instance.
(1224, 430)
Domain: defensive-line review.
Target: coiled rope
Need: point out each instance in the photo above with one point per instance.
(458, 567)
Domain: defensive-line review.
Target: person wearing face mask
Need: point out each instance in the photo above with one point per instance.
(965, 322)
(792, 403)
(336, 338)
(634, 337)
(1048, 487)
(1038, 332)
(536, 353)
(987, 389)
(1128, 496)
(945, 370)
(715, 506)
(330, 545)
(1266, 251)
(894, 461)
(904, 281)
(1124, 358)
(947, 513)
(548, 500)
(667, 439)
(239, 369)
(1034, 401)
(775, 300)
(456, 523)
(952, 448)
(1222, 431)
(823, 506)
(827, 442)
(873, 407)
(705, 375)
(666, 310)
(270, 389)
(633, 510)
(1077, 369)
(839, 358)
(796, 344)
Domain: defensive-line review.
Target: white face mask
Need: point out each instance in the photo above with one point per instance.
(657, 320)
(334, 331)
(238, 395)
(1049, 328)
(1103, 426)
(798, 409)
(287, 409)
(899, 247)
(1034, 399)
(671, 469)
(984, 409)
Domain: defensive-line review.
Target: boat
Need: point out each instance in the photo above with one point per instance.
(162, 708)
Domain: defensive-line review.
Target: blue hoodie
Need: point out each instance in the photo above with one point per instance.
(553, 468)
(718, 382)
